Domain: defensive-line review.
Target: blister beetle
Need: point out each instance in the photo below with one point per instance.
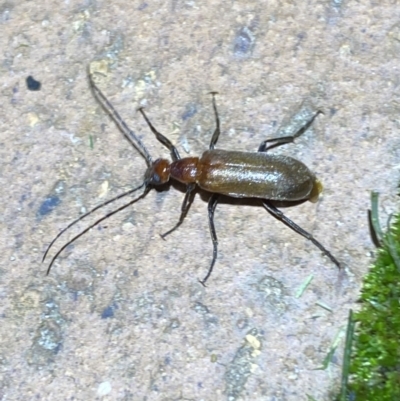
(222, 172)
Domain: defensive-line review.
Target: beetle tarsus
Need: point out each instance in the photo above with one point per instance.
(202, 283)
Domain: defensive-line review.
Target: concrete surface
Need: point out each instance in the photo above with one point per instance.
(122, 315)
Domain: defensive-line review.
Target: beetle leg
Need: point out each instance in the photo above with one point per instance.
(217, 131)
(187, 201)
(274, 142)
(164, 140)
(212, 204)
(280, 216)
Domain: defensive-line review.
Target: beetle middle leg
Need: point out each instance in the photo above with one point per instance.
(280, 216)
(187, 201)
(275, 142)
(212, 203)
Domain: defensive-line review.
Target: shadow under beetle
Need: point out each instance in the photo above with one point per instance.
(222, 172)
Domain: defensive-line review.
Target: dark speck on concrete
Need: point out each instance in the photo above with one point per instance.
(301, 35)
(239, 369)
(48, 340)
(190, 111)
(200, 308)
(48, 205)
(336, 3)
(108, 312)
(32, 84)
(244, 42)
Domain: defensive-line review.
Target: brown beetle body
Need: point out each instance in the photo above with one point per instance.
(245, 175)
(255, 175)
(236, 174)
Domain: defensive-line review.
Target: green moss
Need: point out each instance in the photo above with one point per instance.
(374, 364)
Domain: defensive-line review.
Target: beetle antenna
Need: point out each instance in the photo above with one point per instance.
(87, 214)
(144, 184)
(121, 124)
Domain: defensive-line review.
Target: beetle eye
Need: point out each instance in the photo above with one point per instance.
(155, 179)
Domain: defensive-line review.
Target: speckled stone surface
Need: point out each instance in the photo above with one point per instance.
(122, 315)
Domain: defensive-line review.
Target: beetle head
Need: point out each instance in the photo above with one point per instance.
(158, 172)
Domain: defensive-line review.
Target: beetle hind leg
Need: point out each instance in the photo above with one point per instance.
(212, 204)
(280, 216)
(275, 142)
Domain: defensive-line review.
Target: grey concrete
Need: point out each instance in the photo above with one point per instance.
(122, 315)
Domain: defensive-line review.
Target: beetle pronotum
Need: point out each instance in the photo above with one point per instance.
(221, 172)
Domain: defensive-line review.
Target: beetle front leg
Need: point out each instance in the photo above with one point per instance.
(187, 201)
(161, 138)
(212, 204)
(280, 216)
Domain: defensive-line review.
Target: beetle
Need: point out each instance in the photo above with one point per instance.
(236, 174)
